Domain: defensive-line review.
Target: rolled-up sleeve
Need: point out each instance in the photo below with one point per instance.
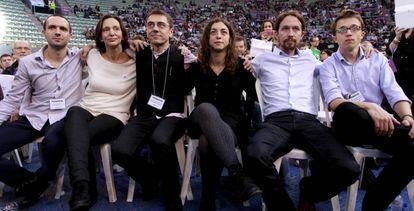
(329, 82)
(389, 86)
(14, 97)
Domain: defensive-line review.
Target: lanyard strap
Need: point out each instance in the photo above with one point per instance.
(165, 77)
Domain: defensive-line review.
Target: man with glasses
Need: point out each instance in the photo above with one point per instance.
(354, 87)
(159, 107)
(314, 43)
(20, 48)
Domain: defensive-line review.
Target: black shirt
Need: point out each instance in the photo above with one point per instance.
(224, 91)
(174, 85)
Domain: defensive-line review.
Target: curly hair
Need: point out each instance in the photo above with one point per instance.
(204, 52)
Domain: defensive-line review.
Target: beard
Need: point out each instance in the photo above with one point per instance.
(289, 44)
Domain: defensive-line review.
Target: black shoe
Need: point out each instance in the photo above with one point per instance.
(21, 204)
(35, 186)
(243, 187)
(82, 198)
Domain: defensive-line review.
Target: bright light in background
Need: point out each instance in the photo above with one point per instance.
(3, 26)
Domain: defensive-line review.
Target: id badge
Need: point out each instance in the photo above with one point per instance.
(57, 104)
(357, 97)
(156, 102)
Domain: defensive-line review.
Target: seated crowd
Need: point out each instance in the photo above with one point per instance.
(135, 94)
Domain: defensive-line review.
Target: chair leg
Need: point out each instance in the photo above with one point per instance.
(352, 192)
(335, 203)
(16, 157)
(30, 152)
(410, 190)
(131, 190)
(179, 148)
(59, 182)
(191, 151)
(1, 189)
(303, 166)
(107, 166)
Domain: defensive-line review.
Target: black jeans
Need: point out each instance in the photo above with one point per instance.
(333, 166)
(19, 133)
(354, 126)
(82, 131)
(161, 135)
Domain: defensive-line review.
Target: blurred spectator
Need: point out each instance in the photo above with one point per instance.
(402, 50)
(20, 48)
(5, 62)
(326, 53)
(314, 43)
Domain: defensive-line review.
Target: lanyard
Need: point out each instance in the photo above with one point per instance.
(165, 78)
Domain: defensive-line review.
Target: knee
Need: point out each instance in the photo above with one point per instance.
(206, 110)
(256, 153)
(119, 150)
(74, 110)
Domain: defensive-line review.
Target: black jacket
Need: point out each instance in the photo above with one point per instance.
(174, 87)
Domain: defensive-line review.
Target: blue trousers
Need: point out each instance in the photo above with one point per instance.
(19, 133)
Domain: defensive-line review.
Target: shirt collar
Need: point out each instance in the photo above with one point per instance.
(39, 55)
(361, 54)
(278, 51)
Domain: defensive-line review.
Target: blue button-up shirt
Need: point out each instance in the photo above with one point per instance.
(37, 82)
(287, 82)
(372, 77)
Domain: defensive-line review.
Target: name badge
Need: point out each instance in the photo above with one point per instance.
(57, 104)
(356, 97)
(156, 102)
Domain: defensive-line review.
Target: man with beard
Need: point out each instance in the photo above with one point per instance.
(287, 81)
(46, 85)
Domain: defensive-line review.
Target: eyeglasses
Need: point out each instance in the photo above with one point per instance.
(160, 25)
(353, 28)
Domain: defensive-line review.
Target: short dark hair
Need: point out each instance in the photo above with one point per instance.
(5, 55)
(293, 13)
(56, 15)
(98, 35)
(163, 13)
(328, 51)
(347, 13)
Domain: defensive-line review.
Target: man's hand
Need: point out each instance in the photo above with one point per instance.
(409, 122)
(384, 121)
(398, 32)
(137, 45)
(14, 116)
(247, 64)
(85, 52)
(369, 50)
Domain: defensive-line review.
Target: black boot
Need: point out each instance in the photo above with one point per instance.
(31, 191)
(81, 198)
(244, 186)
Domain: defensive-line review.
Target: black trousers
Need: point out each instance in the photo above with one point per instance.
(216, 146)
(333, 166)
(83, 130)
(355, 127)
(160, 134)
(19, 133)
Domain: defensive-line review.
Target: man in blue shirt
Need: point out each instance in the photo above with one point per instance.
(287, 84)
(354, 87)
